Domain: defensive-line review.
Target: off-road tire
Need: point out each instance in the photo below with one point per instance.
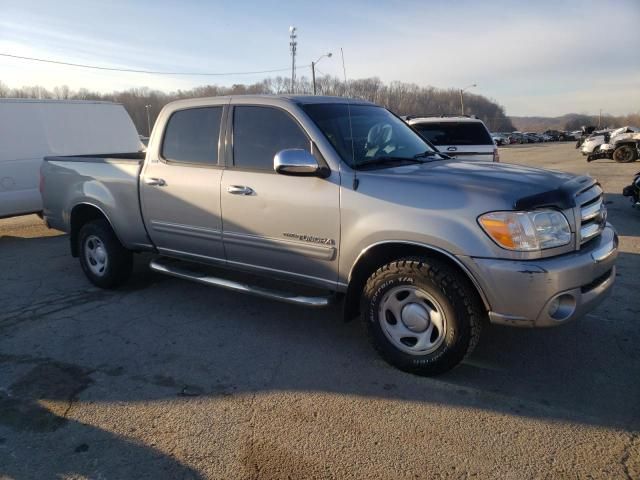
(462, 306)
(119, 260)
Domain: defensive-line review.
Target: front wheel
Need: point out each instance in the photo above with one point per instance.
(105, 262)
(422, 315)
(625, 154)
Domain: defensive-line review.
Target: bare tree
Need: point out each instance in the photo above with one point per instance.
(402, 98)
(5, 91)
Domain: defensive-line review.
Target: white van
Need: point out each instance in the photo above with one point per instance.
(33, 129)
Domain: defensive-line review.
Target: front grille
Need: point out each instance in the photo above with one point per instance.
(593, 214)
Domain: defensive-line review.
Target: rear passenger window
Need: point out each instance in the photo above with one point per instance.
(192, 136)
(454, 133)
(261, 132)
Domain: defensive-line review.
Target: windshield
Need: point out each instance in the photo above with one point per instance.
(377, 133)
(455, 133)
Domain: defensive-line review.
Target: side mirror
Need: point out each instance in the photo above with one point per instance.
(298, 162)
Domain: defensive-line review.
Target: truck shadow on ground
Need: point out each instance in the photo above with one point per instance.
(622, 215)
(160, 338)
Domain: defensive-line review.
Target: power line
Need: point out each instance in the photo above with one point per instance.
(129, 70)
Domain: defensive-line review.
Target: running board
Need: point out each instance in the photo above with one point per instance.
(174, 271)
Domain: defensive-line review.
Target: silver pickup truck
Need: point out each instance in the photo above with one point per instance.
(333, 199)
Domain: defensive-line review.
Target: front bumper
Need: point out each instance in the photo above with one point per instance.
(550, 291)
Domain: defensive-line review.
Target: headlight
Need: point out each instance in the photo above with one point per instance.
(527, 231)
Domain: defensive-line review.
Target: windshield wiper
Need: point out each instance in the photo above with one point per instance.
(389, 160)
(432, 154)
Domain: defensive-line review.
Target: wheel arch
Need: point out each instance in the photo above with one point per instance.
(380, 253)
(81, 214)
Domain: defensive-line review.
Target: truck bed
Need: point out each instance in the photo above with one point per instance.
(106, 181)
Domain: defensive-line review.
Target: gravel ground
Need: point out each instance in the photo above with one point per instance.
(168, 379)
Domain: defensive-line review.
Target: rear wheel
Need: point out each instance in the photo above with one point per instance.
(422, 315)
(105, 262)
(625, 154)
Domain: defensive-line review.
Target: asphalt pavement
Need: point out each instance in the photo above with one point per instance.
(169, 379)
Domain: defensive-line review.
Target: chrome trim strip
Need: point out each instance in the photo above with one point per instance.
(241, 287)
(187, 230)
(605, 251)
(464, 268)
(324, 283)
(589, 231)
(311, 250)
(589, 195)
(592, 211)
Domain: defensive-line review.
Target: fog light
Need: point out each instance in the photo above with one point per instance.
(562, 307)
(554, 306)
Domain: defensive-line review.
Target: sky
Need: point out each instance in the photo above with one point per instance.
(542, 58)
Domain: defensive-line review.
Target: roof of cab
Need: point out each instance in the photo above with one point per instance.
(267, 100)
(308, 99)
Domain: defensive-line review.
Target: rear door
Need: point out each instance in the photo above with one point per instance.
(180, 186)
(463, 140)
(287, 225)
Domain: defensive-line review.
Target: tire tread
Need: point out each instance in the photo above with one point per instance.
(439, 273)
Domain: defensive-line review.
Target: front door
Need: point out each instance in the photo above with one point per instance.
(280, 224)
(180, 188)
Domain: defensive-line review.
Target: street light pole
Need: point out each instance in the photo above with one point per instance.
(462, 90)
(313, 69)
(147, 107)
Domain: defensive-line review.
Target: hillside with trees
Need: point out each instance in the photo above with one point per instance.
(402, 98)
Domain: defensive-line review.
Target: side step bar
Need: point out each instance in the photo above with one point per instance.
(174, 271)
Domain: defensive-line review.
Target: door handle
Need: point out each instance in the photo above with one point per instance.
(240, 190)
(155, 182)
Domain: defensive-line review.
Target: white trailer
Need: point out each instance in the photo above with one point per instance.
(33, 129)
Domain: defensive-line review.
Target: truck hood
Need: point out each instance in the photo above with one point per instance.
(503, 185)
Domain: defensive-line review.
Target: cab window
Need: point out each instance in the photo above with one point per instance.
(261, 132)
(192, 136)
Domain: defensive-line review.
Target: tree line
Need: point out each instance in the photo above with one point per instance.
(399, 97)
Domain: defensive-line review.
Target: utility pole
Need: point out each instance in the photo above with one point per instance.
(313, 76)
(599, 119)
(147, 107)
(293, 45)
(462, 98)
(313, 69)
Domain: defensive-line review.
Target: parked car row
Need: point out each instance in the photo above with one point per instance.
(503, 138)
